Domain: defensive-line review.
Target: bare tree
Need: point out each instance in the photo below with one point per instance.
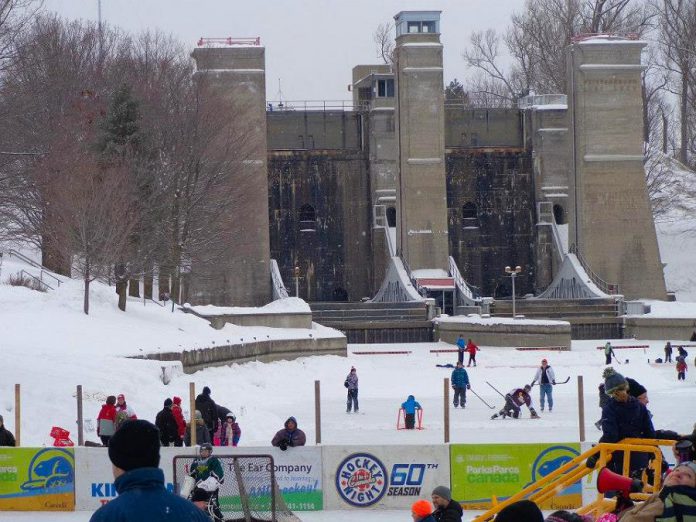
(15, 15)
(384, 41)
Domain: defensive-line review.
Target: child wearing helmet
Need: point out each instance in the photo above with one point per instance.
(514, 401)
(207, 471)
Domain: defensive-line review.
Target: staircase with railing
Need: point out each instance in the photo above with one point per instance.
(607, 288)
(43, 272)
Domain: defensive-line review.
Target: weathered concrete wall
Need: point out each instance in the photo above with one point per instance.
(333, 252)
(241, 274)
(659, 328)
(310, 130)
(272, 320)
(471, 128)
(499, 185)
(264, 351)
(613, 225)
(505, 334)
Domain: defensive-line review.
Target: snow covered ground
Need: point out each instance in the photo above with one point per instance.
(49, 346)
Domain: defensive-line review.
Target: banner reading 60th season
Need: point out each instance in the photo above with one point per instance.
(37, 479)
(480, 471)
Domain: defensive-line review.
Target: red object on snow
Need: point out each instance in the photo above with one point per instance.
(61, 437)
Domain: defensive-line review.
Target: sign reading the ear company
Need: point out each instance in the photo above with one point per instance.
(480, 470)
(37, 479)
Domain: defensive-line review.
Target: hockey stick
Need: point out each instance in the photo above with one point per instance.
(557, 382)
(616, 358)
(481, 399)
(496, 389)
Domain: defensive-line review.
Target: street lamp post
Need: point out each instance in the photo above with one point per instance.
(513, 274)
(297, 281)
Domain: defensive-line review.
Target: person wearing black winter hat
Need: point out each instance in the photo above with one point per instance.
(206, 405)
(521, 511)
(446, 509)
(134, 454)
(166, 423)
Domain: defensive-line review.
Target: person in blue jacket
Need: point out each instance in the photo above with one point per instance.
(460, 383)
(134, 451)
(461, 348)
(410, 407)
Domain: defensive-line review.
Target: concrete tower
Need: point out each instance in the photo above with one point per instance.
(610, 219)
(237, 69)
(420, 130)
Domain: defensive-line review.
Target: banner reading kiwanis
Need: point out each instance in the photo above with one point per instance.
(480, 471)
(37, 479)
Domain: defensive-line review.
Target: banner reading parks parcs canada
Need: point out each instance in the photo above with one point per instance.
(481, 471)
(37, 479)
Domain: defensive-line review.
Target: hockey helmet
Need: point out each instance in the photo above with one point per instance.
(527, 388)
(231, 416)
(206, 446)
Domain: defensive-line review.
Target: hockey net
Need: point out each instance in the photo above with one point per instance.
(249, 491)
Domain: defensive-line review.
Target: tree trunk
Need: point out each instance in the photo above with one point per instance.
(85, 302)
(52, 258)
(147, 283)
(122, 291)
(684, 117)
(134, 287)
(665, 134)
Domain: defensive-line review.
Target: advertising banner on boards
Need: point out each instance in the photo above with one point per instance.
(298, 474)
(387, 477)
(481, 470)
(37, 479)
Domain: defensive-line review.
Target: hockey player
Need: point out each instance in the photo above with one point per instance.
(208, 474)
(546, 379)
(514, 401)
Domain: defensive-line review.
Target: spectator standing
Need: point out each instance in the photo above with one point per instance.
(546, 379)
(410, 407)
(623, 416)
(681, 368)
(460, 383)
(682, 352)
(230, 432)
(446, 509)
(608, 353)
(106, 420)
(351, 383)
(180, 421)
(461, 348)
(6, 437)
(134, 452)
(668, 352)
(471, 348)
(123, 411)
(206, 405)
(166, 423)
(289, 436)
(202, 433)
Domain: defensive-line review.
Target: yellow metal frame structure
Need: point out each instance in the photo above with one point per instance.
(573, 471)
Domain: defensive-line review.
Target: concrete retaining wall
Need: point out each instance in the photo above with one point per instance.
(271, 319)
(265, 351)
(532, 335)
(658, 328)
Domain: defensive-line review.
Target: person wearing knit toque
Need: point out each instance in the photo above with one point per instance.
(623, 416)
(134, 451)
(446, 509)
(521, 511)
(421, 511)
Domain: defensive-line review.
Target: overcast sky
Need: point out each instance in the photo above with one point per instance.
(311, 45)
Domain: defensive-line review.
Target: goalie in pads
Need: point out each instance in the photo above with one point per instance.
(205, 477)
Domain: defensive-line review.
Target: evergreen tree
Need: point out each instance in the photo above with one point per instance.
(455, 93)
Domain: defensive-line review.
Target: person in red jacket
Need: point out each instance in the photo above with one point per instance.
(471, 348)
(106, 420)
(179, 418)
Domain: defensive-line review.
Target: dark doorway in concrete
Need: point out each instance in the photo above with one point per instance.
(340, 294)
(559, 215)
(391, 216)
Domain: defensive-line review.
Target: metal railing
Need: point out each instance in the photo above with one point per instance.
(309, 105)
(279, 290)
(542, 99)
(573, 471)
(462, 285)
(19, 255)
(42, 285)
(607, 288)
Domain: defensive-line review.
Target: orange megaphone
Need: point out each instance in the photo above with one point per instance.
(609, 481)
